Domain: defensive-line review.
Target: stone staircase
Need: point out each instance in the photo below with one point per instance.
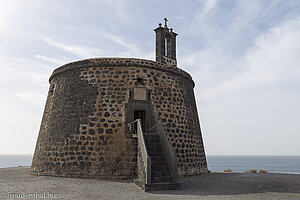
(161, 176)
(157, 166)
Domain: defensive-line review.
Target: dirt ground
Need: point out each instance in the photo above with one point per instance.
(17, 183)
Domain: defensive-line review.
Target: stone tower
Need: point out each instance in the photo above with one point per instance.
(85, 129)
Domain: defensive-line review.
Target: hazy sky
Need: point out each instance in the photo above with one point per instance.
(244, 57)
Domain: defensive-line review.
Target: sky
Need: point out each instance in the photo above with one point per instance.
(244, 57)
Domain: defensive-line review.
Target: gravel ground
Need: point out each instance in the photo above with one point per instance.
(17, 182)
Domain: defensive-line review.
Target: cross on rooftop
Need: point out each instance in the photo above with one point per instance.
(165, 21)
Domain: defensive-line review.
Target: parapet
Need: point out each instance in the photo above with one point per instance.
(126, 62)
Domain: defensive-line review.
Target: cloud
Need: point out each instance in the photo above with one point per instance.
(131, 50)
(81, 51)
(120, 7)
(33, 98)
(260, 101)
(48, 59)
(19, 126)
(120, 41)
(243, 57)
(24, 82)
(23, 90)
(7, 8)
(273, 59)
(246, 73)
(208, 6)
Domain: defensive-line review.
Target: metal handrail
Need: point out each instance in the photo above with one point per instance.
(135, 121)
(149, 131)
(129, 125)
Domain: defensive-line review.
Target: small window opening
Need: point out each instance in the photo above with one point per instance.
(139, 81)
(149, 95)
(52, 89)
(130, 94)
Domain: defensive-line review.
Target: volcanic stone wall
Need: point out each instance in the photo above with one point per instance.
(82, 133)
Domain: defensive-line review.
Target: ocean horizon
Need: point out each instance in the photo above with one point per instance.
(237, 163)
(216, 163)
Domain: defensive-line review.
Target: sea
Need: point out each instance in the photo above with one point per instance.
(272, 164)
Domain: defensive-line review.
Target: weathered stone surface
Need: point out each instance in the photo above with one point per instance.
(85, 116)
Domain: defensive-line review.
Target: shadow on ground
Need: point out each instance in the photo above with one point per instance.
(237, 184)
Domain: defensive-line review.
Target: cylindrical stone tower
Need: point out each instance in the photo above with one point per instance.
(84, 130)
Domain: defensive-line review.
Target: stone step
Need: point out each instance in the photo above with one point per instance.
(150, 144)
(161, 178)
(168, 179)
(162, 173)
(152, 140)
(150, 147)
(159, 163)
(161, 186)
(157, 158)
(160, 168)
(154, 136)
(153, 144)
(156, 154)
(158, 186)
(154, 150)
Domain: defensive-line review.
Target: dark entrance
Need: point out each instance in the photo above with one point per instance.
(140, 114)
(138, 109)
